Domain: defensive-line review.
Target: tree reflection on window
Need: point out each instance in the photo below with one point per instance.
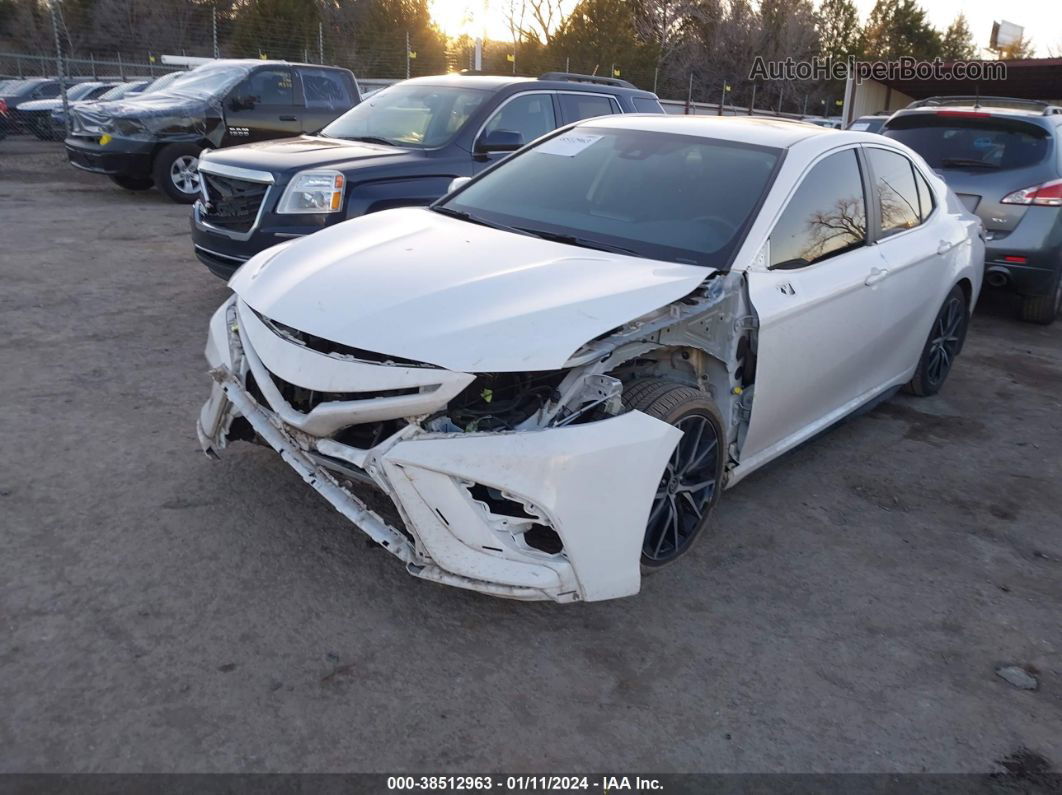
(826, 215)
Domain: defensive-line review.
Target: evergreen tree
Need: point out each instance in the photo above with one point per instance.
(958, 42)
(899, 27)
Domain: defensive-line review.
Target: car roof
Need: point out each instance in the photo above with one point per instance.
(494, 82)
(264, 62)
(761, 130)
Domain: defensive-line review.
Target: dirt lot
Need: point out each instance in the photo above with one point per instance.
(164, 613)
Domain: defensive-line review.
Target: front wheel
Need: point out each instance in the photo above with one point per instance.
(176, 172)
(693, 477)
(945, 341)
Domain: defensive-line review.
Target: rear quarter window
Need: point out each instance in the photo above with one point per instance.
(993, 144)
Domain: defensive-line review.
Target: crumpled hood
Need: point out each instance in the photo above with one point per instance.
(415, 284)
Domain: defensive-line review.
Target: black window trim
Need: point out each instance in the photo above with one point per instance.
(861, 165)
(874, 229)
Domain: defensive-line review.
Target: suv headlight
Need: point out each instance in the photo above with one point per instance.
(319, 191)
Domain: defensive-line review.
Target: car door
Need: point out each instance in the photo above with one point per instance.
(262, 106)
(915, 248)
(819, 309)
(529, 113)
(326, 94)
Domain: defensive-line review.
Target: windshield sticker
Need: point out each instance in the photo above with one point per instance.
(568, 145)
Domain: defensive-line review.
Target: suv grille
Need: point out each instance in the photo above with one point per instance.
(232, 203)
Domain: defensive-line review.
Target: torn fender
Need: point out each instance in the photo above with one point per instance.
(594, 482)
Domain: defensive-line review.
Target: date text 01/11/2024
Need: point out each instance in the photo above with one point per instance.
(522, 783)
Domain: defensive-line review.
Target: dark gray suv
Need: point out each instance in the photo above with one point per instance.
(1003, 159)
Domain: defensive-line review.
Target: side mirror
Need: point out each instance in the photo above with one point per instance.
(499, 141)
(457, 182)
(242, 103)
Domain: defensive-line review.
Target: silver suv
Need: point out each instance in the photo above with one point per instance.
(1003, 159)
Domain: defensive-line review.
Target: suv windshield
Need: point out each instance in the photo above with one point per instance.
(990, 144)
(409, 115)
(664, 196)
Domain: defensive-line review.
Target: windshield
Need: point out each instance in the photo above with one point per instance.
(162, 82)
(409, 115)
(81, 90)
(119, 91)
(664, 196)
(207, 81)
(992, 144)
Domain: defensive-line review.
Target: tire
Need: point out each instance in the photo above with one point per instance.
(1043, 309)
(945, 341)
(680, 514)
(132, 183)
(173, 169)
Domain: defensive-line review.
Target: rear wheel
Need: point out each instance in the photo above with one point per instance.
(693, 477)
(176, 172)
(1043, 309)
(132, 183)
(945, 341)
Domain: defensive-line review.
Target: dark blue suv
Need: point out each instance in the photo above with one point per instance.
(401, 146)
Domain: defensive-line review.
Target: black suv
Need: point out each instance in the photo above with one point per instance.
(401, 147)
(1003, 159)
(156, 138)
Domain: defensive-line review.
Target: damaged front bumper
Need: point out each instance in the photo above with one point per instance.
(472, 504)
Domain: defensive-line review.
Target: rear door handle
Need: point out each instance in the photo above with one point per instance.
(944, 247)
(289, 118)
(876, 275)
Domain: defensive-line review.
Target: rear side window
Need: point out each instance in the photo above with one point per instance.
(47, 91)
(584, 106)
(825, 217)
(646, 105)
(324, 88)
(925, 196)
(993, 144)
(894, 185)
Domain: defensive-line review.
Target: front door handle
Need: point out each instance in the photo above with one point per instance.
(876, 275)
(289, 118)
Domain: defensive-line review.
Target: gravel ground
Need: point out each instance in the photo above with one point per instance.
(164, 613)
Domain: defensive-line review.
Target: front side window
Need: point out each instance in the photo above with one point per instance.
(531, 115)
(267, 87)
(826, 216)
(577, 107)
(672, 197)
(422, 116)
(894, 185)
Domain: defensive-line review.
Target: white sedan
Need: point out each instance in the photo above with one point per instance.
(554, 371)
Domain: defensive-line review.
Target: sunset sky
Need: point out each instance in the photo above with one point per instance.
(1042, 19)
